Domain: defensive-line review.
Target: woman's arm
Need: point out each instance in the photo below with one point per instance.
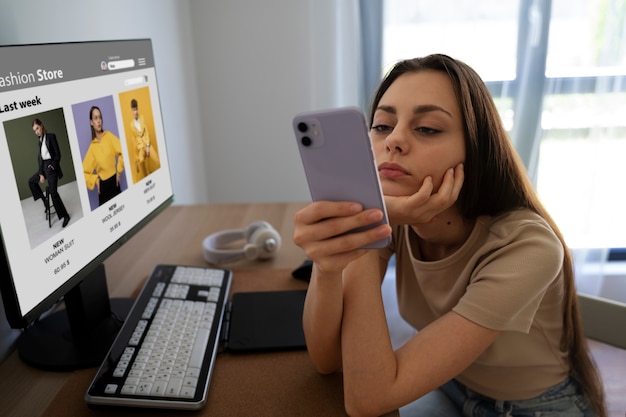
(378, 379)
(320, 229)
(117, 152)
(323, 309)
(89, 166)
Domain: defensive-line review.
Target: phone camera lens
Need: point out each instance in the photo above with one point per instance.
(302, 127)
(306, 141)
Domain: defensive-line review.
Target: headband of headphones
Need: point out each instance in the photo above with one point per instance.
(262, 241)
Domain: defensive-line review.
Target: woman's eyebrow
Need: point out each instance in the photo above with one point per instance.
(425, 108)
(386, 109)
(422, 108)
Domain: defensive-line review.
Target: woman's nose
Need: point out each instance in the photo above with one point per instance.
(396, 141)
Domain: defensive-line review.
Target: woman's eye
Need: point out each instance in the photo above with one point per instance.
(382, 128)
(426, 130)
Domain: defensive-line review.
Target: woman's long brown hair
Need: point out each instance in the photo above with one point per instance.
(495, 182)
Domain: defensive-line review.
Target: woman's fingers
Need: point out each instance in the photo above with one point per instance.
(423, 206)
(324, 230)
(323, 220)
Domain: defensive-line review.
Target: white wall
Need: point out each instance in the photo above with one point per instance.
(259, 64)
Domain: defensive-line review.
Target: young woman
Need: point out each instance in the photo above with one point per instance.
(103, 163)
(482, 273)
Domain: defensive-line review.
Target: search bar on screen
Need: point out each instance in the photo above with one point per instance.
(123, 64)
(136, 80)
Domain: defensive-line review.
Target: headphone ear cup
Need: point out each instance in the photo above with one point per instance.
(265, 238)
(252, 228)
(250, 251)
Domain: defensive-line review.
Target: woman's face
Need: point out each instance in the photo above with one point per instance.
(38, 130)
(417, 131)
(96, 120)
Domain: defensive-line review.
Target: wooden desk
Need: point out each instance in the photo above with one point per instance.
(251, 384)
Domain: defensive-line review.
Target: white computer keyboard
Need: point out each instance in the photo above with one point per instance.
(164, 354)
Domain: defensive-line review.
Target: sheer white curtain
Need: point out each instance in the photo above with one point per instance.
(335, 43)
(371, 31)
(347, 35)
(583, 138)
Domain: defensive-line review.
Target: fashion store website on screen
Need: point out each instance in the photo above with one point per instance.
(43, 256)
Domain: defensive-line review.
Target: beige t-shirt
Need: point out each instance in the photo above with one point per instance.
(508, 276)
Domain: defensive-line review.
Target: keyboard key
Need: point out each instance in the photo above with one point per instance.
(110, 389)
(173, 387)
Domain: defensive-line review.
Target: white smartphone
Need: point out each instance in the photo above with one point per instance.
(338, 159)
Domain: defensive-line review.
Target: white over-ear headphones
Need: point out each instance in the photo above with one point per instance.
(262, 242)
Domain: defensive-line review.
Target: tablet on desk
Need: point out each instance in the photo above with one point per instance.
(267, 320)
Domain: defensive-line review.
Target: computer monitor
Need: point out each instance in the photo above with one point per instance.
(84, 166)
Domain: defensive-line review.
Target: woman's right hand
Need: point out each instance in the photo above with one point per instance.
(321, 231)
(424, 205)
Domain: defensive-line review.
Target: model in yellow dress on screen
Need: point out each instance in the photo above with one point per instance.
(146, 159)
(103, 163)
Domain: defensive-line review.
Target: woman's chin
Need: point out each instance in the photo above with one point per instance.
(397, 191)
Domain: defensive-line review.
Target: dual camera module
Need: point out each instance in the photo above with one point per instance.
(309, 132)
(306, 139)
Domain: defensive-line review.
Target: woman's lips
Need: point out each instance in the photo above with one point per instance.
(391, 170)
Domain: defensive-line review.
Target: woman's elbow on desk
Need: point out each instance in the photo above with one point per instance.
(360, 401)
(323, 362)
(326, 370)
(357, 408)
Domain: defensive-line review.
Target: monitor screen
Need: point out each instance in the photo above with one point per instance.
(83, 164)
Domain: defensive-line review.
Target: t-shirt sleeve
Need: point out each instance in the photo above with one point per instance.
(509, 282)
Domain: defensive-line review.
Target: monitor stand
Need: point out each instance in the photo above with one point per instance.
(79, 336)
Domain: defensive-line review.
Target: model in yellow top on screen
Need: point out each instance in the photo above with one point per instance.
(103, 163)
(146, 160)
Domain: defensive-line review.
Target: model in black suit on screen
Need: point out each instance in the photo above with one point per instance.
(49, 158)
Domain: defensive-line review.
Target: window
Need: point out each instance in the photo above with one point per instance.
(557, 71)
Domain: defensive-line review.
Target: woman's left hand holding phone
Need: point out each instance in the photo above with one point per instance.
(321, 229)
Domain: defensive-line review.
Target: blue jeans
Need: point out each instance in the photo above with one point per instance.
(454, 399)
